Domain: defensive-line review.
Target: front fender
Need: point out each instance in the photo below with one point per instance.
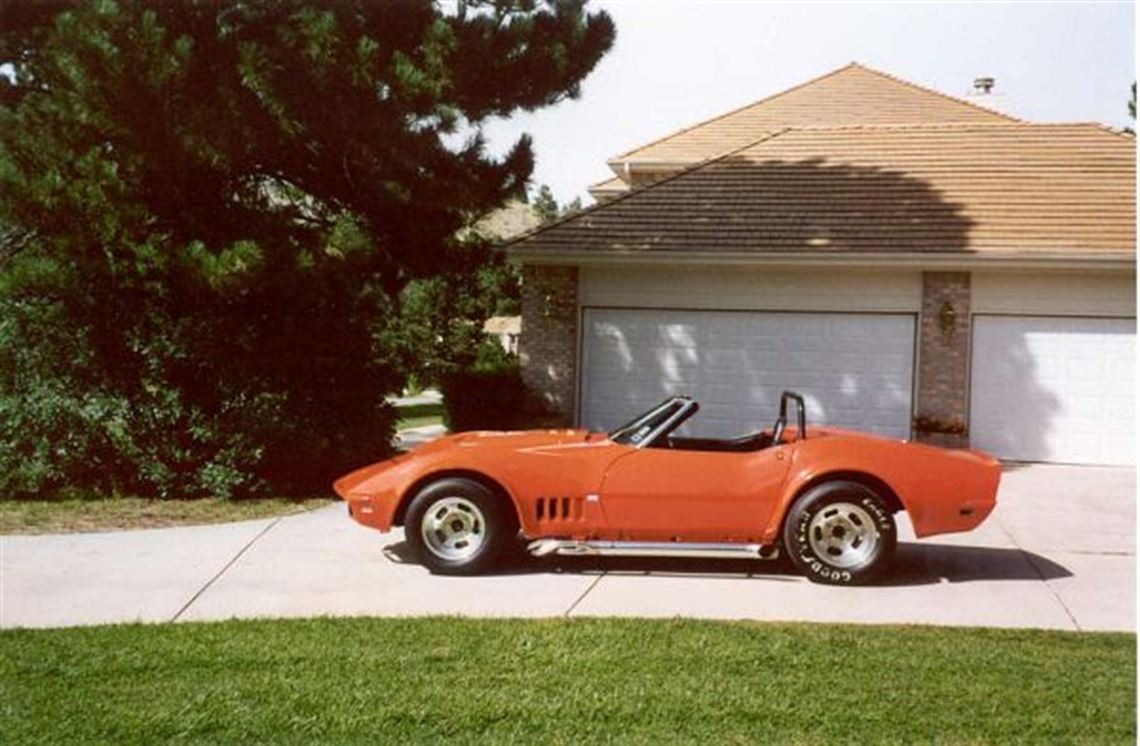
(566, 471)
(377, 494)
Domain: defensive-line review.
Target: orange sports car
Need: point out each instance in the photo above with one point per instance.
(826, 496)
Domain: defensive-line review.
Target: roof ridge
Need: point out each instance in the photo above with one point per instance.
(638, 190)
(710, 120)
(936, 92)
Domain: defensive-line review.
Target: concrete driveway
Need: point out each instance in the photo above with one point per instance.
(1058, 553)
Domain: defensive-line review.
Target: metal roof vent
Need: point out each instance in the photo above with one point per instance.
(983, 86)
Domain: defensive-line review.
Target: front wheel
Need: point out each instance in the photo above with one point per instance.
(840, 533)
(457, 526)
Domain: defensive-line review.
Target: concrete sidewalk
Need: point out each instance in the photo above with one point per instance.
(1058, 553)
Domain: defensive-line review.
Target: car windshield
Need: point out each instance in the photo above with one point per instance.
(636, 430)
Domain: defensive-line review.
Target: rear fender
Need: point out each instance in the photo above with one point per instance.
(941, 490)
(802, 477)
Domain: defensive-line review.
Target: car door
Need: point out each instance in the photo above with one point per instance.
(660, 494)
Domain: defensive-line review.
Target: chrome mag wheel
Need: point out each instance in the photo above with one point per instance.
(453, 528)
(843, 535)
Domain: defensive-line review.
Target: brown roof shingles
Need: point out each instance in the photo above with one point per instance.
(910, 188)
(850, 95)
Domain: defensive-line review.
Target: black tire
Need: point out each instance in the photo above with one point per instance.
(469, 510)
(851, 552)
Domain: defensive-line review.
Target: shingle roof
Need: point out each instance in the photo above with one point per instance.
(910, 188)
(850, 95)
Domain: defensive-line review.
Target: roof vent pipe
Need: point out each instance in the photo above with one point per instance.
(983, 86)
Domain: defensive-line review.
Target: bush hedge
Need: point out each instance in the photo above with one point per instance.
(488, 394)
(172, 423)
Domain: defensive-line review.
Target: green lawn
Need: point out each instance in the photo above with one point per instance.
(419, 415)
(557, 681)
(115, 513)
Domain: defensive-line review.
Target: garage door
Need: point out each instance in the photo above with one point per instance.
(854, 370)
(1054, 389)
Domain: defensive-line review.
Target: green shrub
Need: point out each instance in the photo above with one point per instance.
(485, 395)
(65, 428)
(141, 409)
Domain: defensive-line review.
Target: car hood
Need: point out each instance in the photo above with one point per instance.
(506, 440)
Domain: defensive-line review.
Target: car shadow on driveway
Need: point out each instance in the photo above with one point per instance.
(914, 564)
(921, 564)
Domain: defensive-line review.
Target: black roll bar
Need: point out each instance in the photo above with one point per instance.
(782, 421)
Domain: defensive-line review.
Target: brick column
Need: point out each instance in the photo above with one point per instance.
(944, 359)
(548, 345)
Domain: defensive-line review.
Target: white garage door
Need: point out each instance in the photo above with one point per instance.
(1054, 389)
(854, 370)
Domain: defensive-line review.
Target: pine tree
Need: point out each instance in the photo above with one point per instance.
(211, 208)
(545, 205)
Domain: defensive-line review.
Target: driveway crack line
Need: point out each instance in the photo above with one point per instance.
(1037, 569)
(584, 593)
(222, 572)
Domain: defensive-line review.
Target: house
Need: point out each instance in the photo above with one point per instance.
(505, 330)
(914, 264)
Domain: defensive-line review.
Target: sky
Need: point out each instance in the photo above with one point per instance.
(677, 62)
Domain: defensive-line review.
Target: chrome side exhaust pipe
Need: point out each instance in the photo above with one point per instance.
(570, 547)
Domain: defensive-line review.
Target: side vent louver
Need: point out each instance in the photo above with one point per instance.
(558, 509)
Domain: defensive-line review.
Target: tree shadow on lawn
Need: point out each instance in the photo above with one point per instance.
(914, 564)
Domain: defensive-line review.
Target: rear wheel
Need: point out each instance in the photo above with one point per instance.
(840, 533)
(458, 526)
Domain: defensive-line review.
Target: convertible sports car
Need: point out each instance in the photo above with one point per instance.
(827, 496)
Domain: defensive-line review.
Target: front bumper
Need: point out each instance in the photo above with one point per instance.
(364, 511)
(371, 494)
